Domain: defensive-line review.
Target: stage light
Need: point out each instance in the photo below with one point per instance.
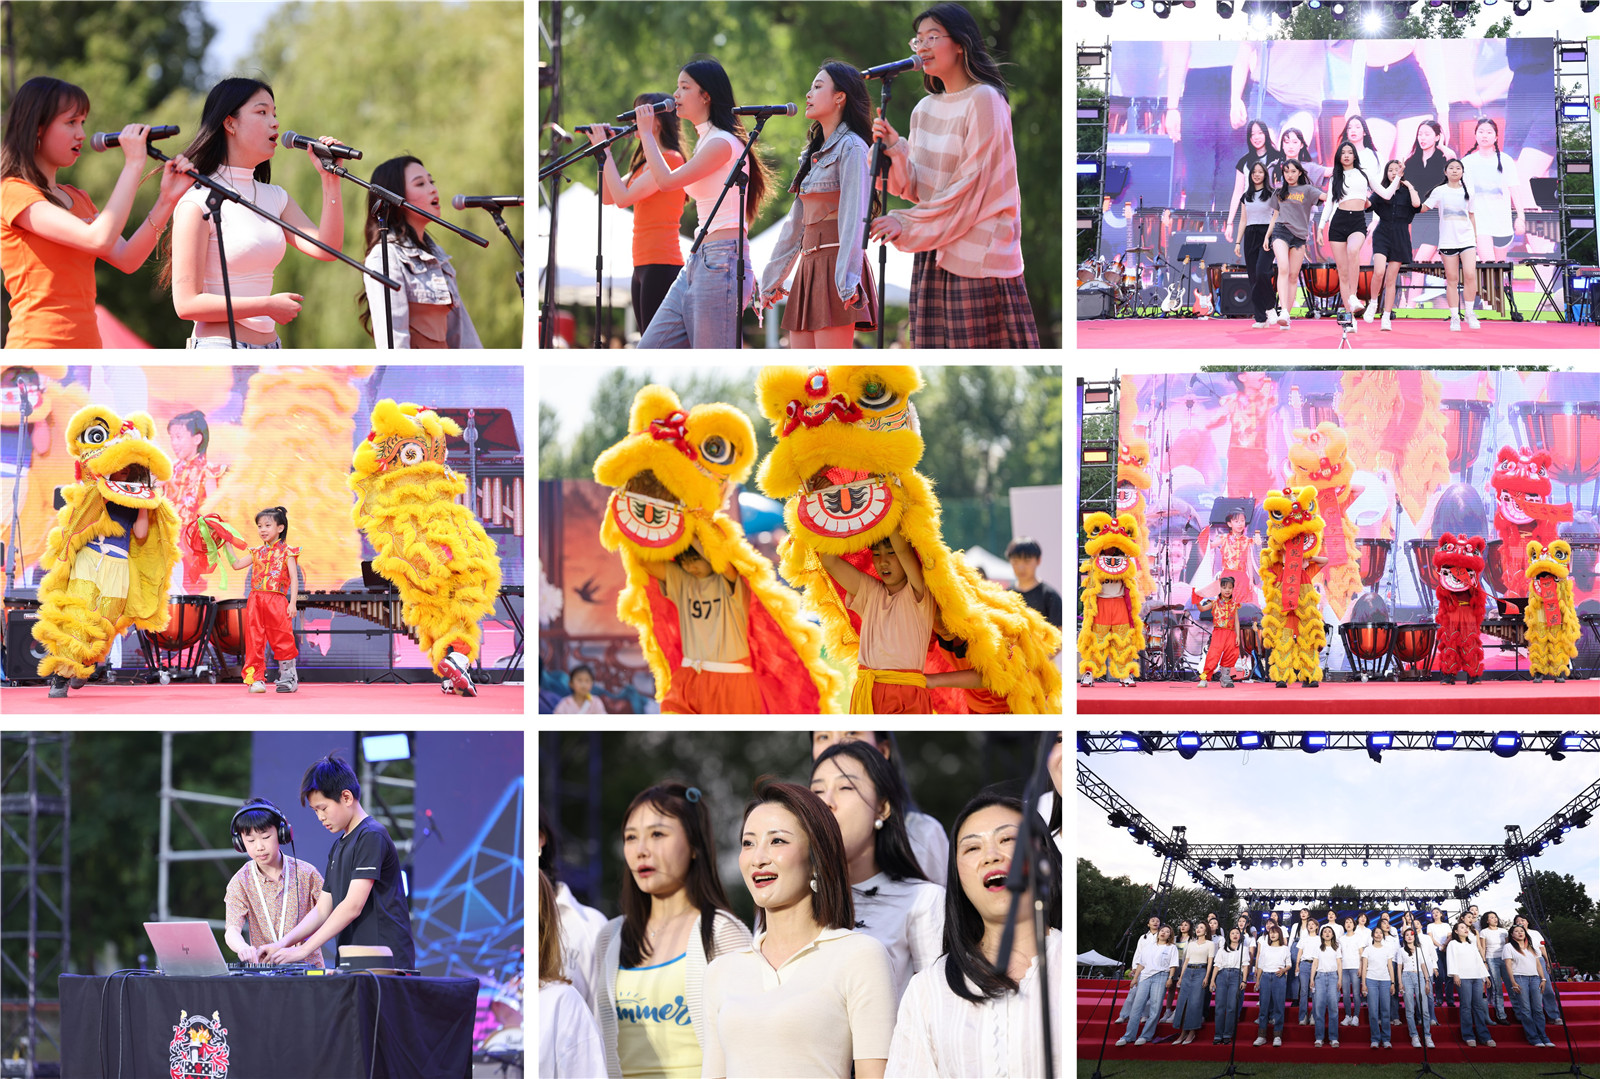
(1521, 7)
(1138, 3)
(1314, 4)
(1248, 740)
(386, 747)
(1572, 742)
(1507, 743)
(1117, 819)
(1424, 863)
(1314, 741)
(1162, 10)
(1345, 862)
(1084, 745)
(1581, 818)
(1247, 863)
(1574, 112)
(1376, 744)
(1373, 21)
(1365, 862)
(1386, 862)
(1096, 455)
(1130, 742)
(1090, 57)
(1324, 861)
(1444, 740)
(1188, 745)
(1225, 8)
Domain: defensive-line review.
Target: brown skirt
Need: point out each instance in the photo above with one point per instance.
(814, 302)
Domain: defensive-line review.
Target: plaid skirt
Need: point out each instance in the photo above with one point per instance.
(968, 312)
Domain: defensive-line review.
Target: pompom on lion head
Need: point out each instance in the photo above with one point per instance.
(1111, 546)
(119, 455)
(1555, 560)
(844, 433)
(675, 464)
(405, 440)
(1133, 454)
(1292, 513)
(1458, 562)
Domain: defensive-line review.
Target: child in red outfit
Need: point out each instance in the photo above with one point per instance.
(269, 611)
(1224, 649)
(193, 480)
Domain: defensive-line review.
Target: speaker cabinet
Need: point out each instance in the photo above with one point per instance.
(1233, 295)
(23, 653)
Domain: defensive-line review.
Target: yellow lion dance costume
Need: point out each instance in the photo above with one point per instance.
(92, 592)
(670, 477)
(1552, 619)
(1291, 615)
(1112, 632)
(845, 463)
(1321, 458)
(429, 546)
(1133, 454)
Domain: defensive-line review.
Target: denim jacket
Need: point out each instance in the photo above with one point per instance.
(426, 276)
(840, 165)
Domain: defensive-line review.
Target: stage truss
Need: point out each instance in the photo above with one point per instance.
(1167, 741)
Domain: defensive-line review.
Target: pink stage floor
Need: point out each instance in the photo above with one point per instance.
(222, 701)
(1235, 333)
(1425, 698)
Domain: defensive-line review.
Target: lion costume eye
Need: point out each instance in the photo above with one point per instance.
(411, 454)
(1276, 515)
(717, 450)
(877, 396)
(95, 434)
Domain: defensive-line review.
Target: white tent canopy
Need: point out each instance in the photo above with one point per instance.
(1092, 958)
(575, 251)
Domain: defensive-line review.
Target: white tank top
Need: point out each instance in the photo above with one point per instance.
(255, 245)
(705, 191)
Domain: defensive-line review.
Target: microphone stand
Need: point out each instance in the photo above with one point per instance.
(736, 176)
(1035, 863)
(879, 165)
(216, 195)
(1238, 1016)
(24, 410)
(596, 150)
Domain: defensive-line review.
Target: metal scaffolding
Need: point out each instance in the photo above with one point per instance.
(35, 845)
(1229, 741)
(172, 800)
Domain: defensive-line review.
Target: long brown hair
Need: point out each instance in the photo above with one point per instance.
(391, 176)
(549, 934)
(710, 77)
(669, 130)
(702, 883)
(832, 905)
(37, 102)
(856, 115)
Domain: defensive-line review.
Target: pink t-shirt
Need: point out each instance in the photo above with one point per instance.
(895, 628)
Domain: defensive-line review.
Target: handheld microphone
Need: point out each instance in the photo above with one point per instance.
(889, 71)
(559, 132)
(765, 110)
(292, 141)
(648, 109)
(485, 202)
(105, 140)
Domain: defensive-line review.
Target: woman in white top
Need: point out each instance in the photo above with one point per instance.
(1327, 966)
(1197, 959)
(569, 1043)
(701, 310)
(1492, 175)
(1377, 975)
(1491, 945)
(1303, 942)
(959, 1017)
(1415, 963)
(1272, 959)
(1468, 974)
(579, 924)
(1527, 983)
(894, 901)
(1227, 983)
(1155, 965)
(1346, 228)
(1458, 246)
(1552, 1004)
(809, 997)
(651, 963)
(1350, 945)
(238, 136)
(929, 842)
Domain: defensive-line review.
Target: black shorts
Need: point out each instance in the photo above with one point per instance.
(1453, 251)
(1402, 89)
(1392, 241)
(1281, 232)
(1345, 224)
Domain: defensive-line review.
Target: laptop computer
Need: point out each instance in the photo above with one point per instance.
(186, 949)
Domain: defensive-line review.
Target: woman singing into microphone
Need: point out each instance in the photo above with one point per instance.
(238, 136)
(50, 233)
(427, 312)
(657, 255)
(959, 166)
(701, 309)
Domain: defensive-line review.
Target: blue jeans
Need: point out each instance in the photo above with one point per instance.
(1474, 1010)
(1228, 997)
(1270, 990)
(1146, 1007)
(1497, 990)
(1305, 986)
(1447, 985)
(1552, 1006)
(224, 342)
(1529, 1006)
(1350, 979)
(700, 310)
(1415, 1007)
(1325, 1017)
(1379, 994)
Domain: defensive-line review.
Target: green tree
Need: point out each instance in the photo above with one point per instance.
(1562, 896)
(1423, 21)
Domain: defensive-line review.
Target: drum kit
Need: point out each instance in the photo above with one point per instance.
(1122, 279)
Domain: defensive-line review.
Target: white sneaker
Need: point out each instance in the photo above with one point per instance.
(1277, 1041)
(1384, 325)
(1428, 1042)
(1141, 1041)
(1317, 1043)
(1367, 315)
(1471, 1044)
(1283, 322)
(258, 687)
(1455, 323)
(1489, 1043)
(1261, 324)
(1124, 1040)
(1356, 307)
(1472, 321)
(1334, 1044)
(1416, 1042)
(1261, 1041)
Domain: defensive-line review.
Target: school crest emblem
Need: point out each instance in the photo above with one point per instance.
(199, 1048)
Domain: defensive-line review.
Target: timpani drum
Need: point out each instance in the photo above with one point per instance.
(1249, 638)
(1364, 284)
(227, 633)
(1413, 648)
(1370, 646)
(186, 622)
(1321, 279)
(1569, 431)
(1372, 555)
(1464, 422)
(1419, 554)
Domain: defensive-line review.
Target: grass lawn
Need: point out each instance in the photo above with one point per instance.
(1197, 1069)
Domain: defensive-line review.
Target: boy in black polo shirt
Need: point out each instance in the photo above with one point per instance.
(362, 902)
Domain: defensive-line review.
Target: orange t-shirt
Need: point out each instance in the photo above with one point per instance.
(655, 223)
(51, 284)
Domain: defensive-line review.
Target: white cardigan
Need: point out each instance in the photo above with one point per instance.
(728, 935)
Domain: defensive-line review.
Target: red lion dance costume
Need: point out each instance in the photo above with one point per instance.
(1523, 511)
(1458, 565)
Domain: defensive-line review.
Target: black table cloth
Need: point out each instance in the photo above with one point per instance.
(144, 1026)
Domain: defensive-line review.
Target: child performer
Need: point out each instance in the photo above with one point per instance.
(713, 622)
(897, 616)
(1395, 203)
(1224, 648)
(1458, 243)
(271, 891)
(959, 166)
(269, 610)
(1552, 620)
(1236, 555)
(1458, 564)
(1347, 225)
(193, 480)
(51, 235)
(1112, 633)
(1291, 620)
(1288, 231)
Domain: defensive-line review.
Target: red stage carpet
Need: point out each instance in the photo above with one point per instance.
(217, 702)
(1235, 333)
(1424, 698)
(1580, 999)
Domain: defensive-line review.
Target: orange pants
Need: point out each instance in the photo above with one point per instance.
(905, 700)
(696, 693)
(266, 621)
(1223, 651)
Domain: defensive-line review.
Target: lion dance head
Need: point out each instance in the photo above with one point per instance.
(1291, 620)
(1111, 552)
(1551, 618)
(1458, 567)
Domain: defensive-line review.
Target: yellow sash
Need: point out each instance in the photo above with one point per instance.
(866, 678)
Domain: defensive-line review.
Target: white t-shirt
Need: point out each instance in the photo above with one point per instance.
(1377, 957)
(1421, 959)
(1463, 961)
(1231, 960)
(1350, 948)
(1364, 935)
(1329, 960)
(569, 1042)
(1438, 932)
(1491, 190)
(907, 918)
(1493, 941)
(1272, 958)
(1156, 959)
(1521, 964)
(1455, 230)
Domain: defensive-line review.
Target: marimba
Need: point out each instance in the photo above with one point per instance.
(1493, 279)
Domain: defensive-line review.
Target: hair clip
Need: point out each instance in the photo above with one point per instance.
(692, 794)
